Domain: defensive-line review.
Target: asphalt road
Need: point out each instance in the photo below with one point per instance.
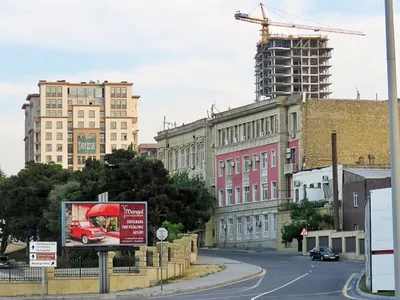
(288, 276)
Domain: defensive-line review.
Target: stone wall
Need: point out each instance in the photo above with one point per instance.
(176, 258)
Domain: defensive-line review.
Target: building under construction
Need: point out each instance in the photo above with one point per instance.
(292, 63)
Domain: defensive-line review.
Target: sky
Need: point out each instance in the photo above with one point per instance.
(182, 55)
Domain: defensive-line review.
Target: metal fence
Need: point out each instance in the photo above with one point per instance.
(78, 267)
(20, 272)
(128, 264)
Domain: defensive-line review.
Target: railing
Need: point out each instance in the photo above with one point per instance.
(127, 264)
(20, 272)
(79, 267)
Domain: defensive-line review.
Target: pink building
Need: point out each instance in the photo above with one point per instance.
(256, 151)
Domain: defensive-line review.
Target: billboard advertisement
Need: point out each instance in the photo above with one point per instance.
(108, 224)
(87, 146)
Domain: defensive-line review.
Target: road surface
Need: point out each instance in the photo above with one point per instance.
(288, 276)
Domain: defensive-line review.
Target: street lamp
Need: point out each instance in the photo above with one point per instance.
(394, 138)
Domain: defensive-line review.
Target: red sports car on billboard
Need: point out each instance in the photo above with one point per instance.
(86, 232)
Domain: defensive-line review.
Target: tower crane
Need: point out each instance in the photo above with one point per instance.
(265, 23)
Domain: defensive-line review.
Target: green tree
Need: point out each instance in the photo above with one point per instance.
(198, 202)
(304, 215)
(24, 198)
(174, 230)
(92, 180)
(70, 191)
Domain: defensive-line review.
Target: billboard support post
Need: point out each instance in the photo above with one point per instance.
(104, 282)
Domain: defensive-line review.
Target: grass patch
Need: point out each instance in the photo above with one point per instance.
(194, 272)
(363, 287)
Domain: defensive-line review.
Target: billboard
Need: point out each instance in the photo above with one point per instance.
(103, 224)
(86, 146)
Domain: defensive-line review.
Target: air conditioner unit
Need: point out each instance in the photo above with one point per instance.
(224, 226)
(232, 164)
(325, 178)
(297, 183)
(258, 223)
(222, 165)
(212, 145)
(288, 155)
(250, 162)
(257, 158)
(293, 135)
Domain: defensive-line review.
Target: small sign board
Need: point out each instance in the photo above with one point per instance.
(304, 232)
(162, 233)
(43, 254)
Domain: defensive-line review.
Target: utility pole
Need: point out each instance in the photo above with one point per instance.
(335, 183)
(394, 138)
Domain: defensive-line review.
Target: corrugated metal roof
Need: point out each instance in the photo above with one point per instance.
(371, 173)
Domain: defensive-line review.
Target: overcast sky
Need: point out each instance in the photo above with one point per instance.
(182, 55)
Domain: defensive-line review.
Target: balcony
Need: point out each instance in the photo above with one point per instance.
(289, 169)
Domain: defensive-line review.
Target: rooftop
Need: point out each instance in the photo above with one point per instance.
(90, 83)
(371, 173)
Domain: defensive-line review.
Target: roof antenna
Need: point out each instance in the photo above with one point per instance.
(358, 94)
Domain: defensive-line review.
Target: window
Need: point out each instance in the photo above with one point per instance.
(59, 113)
(48, 147)
(229, 196)
(113, 146)
(273, 154)
(53, 103)
(230, 226)
(246, 164)
(113, 136)
(112, 92)
(92, 124)
(176, 160)
(229, 167)
(248, 225)
(102, 114)
(124, 125)
(221, 197)
(255, 192)
(274, 223)
(294, 122)
(265, 191)
(124, 137)
(239, 226)
(254, 163)
(69, 114)
(48, 136)
(69, 125)
(70, 148)
(81, 114)
(118, 92)
(113, 125)
(48, 124)
(81, 124)
(266, 223)
(102, 148)
(48, 91)
(123, 106)
(257, 228)
(246, 194)
(264, 160)
(102, 126)
(59, 136)
(59, 125)
(355, 199)
(182, 158)
(356, 227)
(59, 159)
(273, 190)
(297, 195)
(70, 160)
(49, 158)
(237, 195)
(102, 137)
(221, 169)
(59, 147)
(123, 92)
(59, 103)
(91, 113)
(59, 91)
(237, 165)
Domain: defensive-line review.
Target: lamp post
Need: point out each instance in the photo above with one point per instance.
(394, 138)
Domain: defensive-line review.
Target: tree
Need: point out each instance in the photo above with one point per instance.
(174, 230)
(304, 215)
(92, 180)
(198, 203)
(24, 197)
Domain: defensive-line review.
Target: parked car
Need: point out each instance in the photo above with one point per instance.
(86, 232)
(324, 253)
(5, 263)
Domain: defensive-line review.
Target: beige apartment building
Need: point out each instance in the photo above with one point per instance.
(67, 123)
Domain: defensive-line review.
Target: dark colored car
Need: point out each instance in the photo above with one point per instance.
(324, 253)
(5, 262)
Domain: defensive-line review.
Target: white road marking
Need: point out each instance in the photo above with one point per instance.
(278, 288)
(312, 266)
(254, 286)
(346, 287)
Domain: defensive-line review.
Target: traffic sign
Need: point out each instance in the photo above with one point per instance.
(304, 232)
(162, 233)
(43, 247)
(42, 263)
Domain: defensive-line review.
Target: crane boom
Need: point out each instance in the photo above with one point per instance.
(266, 22)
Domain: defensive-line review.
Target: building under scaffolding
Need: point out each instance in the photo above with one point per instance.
(292, 63)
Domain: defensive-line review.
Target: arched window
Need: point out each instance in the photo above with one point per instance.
(92, 136)
(81, 136)
(311, 185)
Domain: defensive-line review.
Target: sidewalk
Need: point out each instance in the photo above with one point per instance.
(235, 271)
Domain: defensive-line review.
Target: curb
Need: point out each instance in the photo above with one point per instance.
(370, 296)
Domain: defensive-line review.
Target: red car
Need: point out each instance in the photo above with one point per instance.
(86, 232)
